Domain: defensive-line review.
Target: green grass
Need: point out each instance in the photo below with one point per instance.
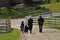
(5, 13)
(53, 6)
(13, 35)
(15, 13)
(52, 1)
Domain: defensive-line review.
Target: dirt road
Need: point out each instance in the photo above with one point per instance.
(48, 34)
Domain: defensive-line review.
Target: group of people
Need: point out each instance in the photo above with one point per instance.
(29, 26)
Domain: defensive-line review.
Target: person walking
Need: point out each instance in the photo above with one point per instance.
(30, 24)
(22, 26)
(40, 23)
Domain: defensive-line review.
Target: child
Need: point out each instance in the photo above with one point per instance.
(26, 29)
(22, 26)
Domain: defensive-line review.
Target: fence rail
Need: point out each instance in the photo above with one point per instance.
(5, 25)
(52, 22)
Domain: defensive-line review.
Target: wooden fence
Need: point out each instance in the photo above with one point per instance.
(5, 25)
(52, 22)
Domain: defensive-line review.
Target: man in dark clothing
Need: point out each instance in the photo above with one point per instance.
(30, 24)
(40, 22)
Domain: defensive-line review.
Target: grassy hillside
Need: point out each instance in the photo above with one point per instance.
(52, 1)
(5, 13)
(53, 6)
(15, 13)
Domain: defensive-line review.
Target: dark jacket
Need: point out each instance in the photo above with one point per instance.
(22, 26)
(30, 23)
(40, 21)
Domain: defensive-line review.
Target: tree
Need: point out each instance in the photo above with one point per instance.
(48, 1)
(27, 2)
(12, 3)
(57, 0)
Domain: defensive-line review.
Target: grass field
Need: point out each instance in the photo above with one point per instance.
(13, 35)
(53, 6)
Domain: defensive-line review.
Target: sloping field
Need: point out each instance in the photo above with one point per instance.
(54, 7)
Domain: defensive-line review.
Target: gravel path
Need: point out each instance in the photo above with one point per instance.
(15, 23)
(48, 34)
